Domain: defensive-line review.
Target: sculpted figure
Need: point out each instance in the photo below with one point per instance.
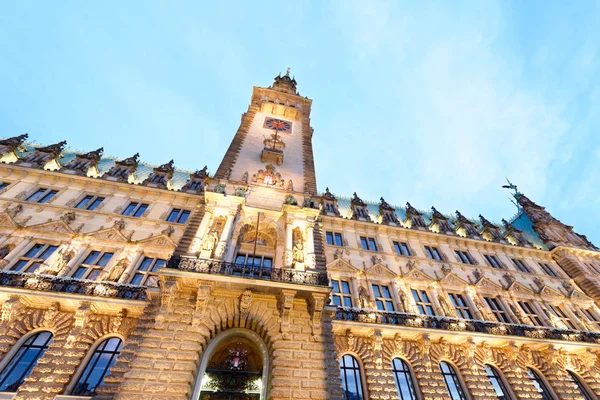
(210, 241)
(448, 311)
(60, 266)
(298, 253)
(364, 300)
(117, 270)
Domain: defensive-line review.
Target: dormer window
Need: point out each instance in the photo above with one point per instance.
(82, 163)
(160, 176)
(196, 182)
(42, 156)
(387, 212)
(329, 203)
(123, 169)
(359, 208)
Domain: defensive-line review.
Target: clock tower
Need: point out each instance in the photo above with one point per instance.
(273, 145)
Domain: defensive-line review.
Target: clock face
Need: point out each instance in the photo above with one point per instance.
(278, 124)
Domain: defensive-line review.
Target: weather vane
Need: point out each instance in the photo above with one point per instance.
(512, 186)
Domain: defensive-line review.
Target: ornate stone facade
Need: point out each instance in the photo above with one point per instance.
(248, 284)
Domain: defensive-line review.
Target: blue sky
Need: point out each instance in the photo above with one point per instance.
(430, 102)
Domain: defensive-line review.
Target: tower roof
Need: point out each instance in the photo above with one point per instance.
(284, 83)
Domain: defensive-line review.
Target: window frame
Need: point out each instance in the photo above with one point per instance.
(46, 194)
(580, 385)
(385, 301)
(92, 202)
(498, 310)
(334, 238)
(456, 380)
(562, 315)
(493, 261)
(407, 374)
(401, 248)
(540, 379)
(464, 257)
(338, 292)
(30, 261)
(179, 213)
(500, 379)
(15, 351)
(368, 243)
(591, 316)
(521, 265)
(135, 211)
(92, 268)
(460, 310)
(148, 273)
(72, 389)
(548, 270)
(433, 252)
(357, 372)
(423, 306)
(532, 313)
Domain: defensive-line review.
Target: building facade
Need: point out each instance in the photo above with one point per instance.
(121, 280)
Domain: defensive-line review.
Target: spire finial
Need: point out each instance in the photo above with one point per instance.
(287, 71)
(512, 186)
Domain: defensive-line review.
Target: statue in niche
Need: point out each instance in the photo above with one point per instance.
(364, 301)
(117, 270)
(298, 249)
(403, 301)
(448, 311)
(209, 242)
(517, 313)
(245, 177)
(290, 186)
(60, 266)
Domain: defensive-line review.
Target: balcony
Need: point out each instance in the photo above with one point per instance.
(63, 284)
(214, 267)
(455, 324)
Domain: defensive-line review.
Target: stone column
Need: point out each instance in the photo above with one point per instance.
(222, 246)
(310, 244)
(289, 242)
(202, 229)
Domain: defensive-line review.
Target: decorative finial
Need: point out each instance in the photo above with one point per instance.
(512, 186)
(287, 71)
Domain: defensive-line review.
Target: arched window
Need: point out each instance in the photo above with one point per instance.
(351, 380)
(455, 389)
(497, 382)
(539, 384)
(404, 383)
(579, 386)
(98, 367)
(21, 364)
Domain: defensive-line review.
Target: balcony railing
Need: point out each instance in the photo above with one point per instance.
(63, 284)
(214, 267)
(455, 324)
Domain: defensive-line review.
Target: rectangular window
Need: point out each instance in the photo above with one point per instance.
(401, 248)
(93, 265)
(42, 195)
(521, 266)
(591, 316)
(34, 257)
(178, 216)
(558, 312)
(493, 261)
(464, 257)
(249, 261)
(383, 298)
(89, 202)
(497, 309)
(368, 243)
(341, 295)
(4, 185)
(529, 311)
(334, 238)
(433, 253)
(460, 305)
(147, 272)
(548, 270)
(423, 302)
(135, 209)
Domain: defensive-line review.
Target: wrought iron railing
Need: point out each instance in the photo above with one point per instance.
(455, 324)
(65, 284)
(215, 267)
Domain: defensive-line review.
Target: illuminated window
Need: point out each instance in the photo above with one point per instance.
(497, 382)
(98, 367)
(403, 379)
(464, 257)
(453, 385)
(539, 384)
(89, 202)
(21, 364)
(493, 261)
(178, 216)
(351, 379)
(401, 248)
(521, 266)
(529, 311)
(334, 238)
(257, 261)
(341, 295)
(548, 270)
(368, 243)
(147, 272)
(497, 309)
(135, 209)
(42, 195)
(423, 302)
(460, 305)
(579, 386)
(93, 265)
(558, 312)
(433, 253)
(383, 298)
(34, 257)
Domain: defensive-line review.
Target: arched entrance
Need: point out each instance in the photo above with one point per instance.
(234, 367)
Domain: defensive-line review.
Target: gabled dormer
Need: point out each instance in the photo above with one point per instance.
(465, 227)
(514, 236)
(85, 164)
(490, 232)
(161, 176)
(439, 223)
(387, 213)
(329, 204)
(359, 209)
(10, 146)
(196, 182)
(414, 219)
(45, 157)
(124, 170)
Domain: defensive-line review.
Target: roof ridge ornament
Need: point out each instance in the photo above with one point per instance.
(512, 186)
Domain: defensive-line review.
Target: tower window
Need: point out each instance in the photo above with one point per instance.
(383, 298)
(433, 253)
(34, 257)
(42, 195)
(341, 295)
(401, 248)
(539, 384)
